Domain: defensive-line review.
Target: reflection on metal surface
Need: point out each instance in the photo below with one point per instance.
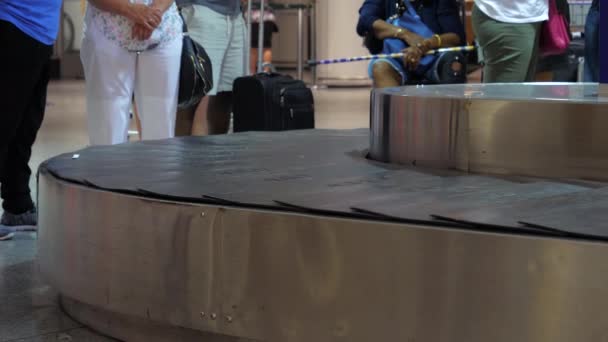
(548, 130)
(603, 90)
(134, 268)
(133, 328)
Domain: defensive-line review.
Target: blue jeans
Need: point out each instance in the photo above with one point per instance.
(438, 73)
(592, 52)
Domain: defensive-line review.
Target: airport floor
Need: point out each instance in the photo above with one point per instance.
(28, 306)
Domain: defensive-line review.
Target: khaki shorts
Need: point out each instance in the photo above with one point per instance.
(224, 38)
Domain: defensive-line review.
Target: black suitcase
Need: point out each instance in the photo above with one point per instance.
(272, 102)
(564, 67)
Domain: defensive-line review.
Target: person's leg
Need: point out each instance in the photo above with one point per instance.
(534, 35)
(253, 64)
(220, 106)
(385, 75)
(218, 113)
(253, 61)
(267, 58)
(211, 30)
(17, 173)
(183, 122)
(592, 40)
(23, 84)
(110, 76)
(16, 177)
(253, 57)
(136, 119)
(269, 29)
(508, 49)
(199, 122)
(156, 90)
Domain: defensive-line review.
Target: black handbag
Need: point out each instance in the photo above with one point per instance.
(195, 75)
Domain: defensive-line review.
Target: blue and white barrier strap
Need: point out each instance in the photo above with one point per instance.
(392, 55)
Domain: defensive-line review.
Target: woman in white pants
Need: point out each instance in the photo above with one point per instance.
(131, 47)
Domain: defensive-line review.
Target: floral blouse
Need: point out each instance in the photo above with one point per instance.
(119, 29)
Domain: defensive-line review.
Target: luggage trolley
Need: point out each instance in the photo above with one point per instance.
(301, 8)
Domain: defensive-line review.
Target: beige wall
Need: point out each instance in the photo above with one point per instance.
(336, 24)
(285, 43)
(336, 37)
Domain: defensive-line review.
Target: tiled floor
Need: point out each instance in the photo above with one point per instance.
(28, 307)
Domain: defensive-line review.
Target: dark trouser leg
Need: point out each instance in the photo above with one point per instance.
(24, 65)
(592, 40)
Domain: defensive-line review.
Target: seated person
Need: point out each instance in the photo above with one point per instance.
(382, 23)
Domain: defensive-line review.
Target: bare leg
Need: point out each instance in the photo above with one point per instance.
(218, 113)
(199, 124)
(253, 61)
(184, 119)
(267, 58)
(385, 76)
(137, 121)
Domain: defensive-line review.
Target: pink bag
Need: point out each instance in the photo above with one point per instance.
(554, 37)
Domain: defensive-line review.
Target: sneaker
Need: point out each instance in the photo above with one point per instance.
(6, 233)
(26, 221)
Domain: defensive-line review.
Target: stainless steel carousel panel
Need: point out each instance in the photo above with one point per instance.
(545, 130)
(165, 271)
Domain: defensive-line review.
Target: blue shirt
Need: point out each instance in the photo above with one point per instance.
(441, 16)
(38, 19)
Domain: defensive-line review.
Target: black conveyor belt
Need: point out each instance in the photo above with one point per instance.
(325, 172)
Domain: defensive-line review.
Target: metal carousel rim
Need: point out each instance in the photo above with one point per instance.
(551, 130)
(583, 93)
(147, 270)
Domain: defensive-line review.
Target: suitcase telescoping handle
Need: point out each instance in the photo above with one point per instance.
(261, 39)
(247, 55)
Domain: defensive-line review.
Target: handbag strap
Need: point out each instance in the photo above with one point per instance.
(184, 26)
(410, 8)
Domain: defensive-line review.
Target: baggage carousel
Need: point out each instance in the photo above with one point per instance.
(467, 213)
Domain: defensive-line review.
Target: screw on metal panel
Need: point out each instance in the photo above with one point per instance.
(203, 214)
(202, 314)
(213, 316)
(64, 337)
(229, 319)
